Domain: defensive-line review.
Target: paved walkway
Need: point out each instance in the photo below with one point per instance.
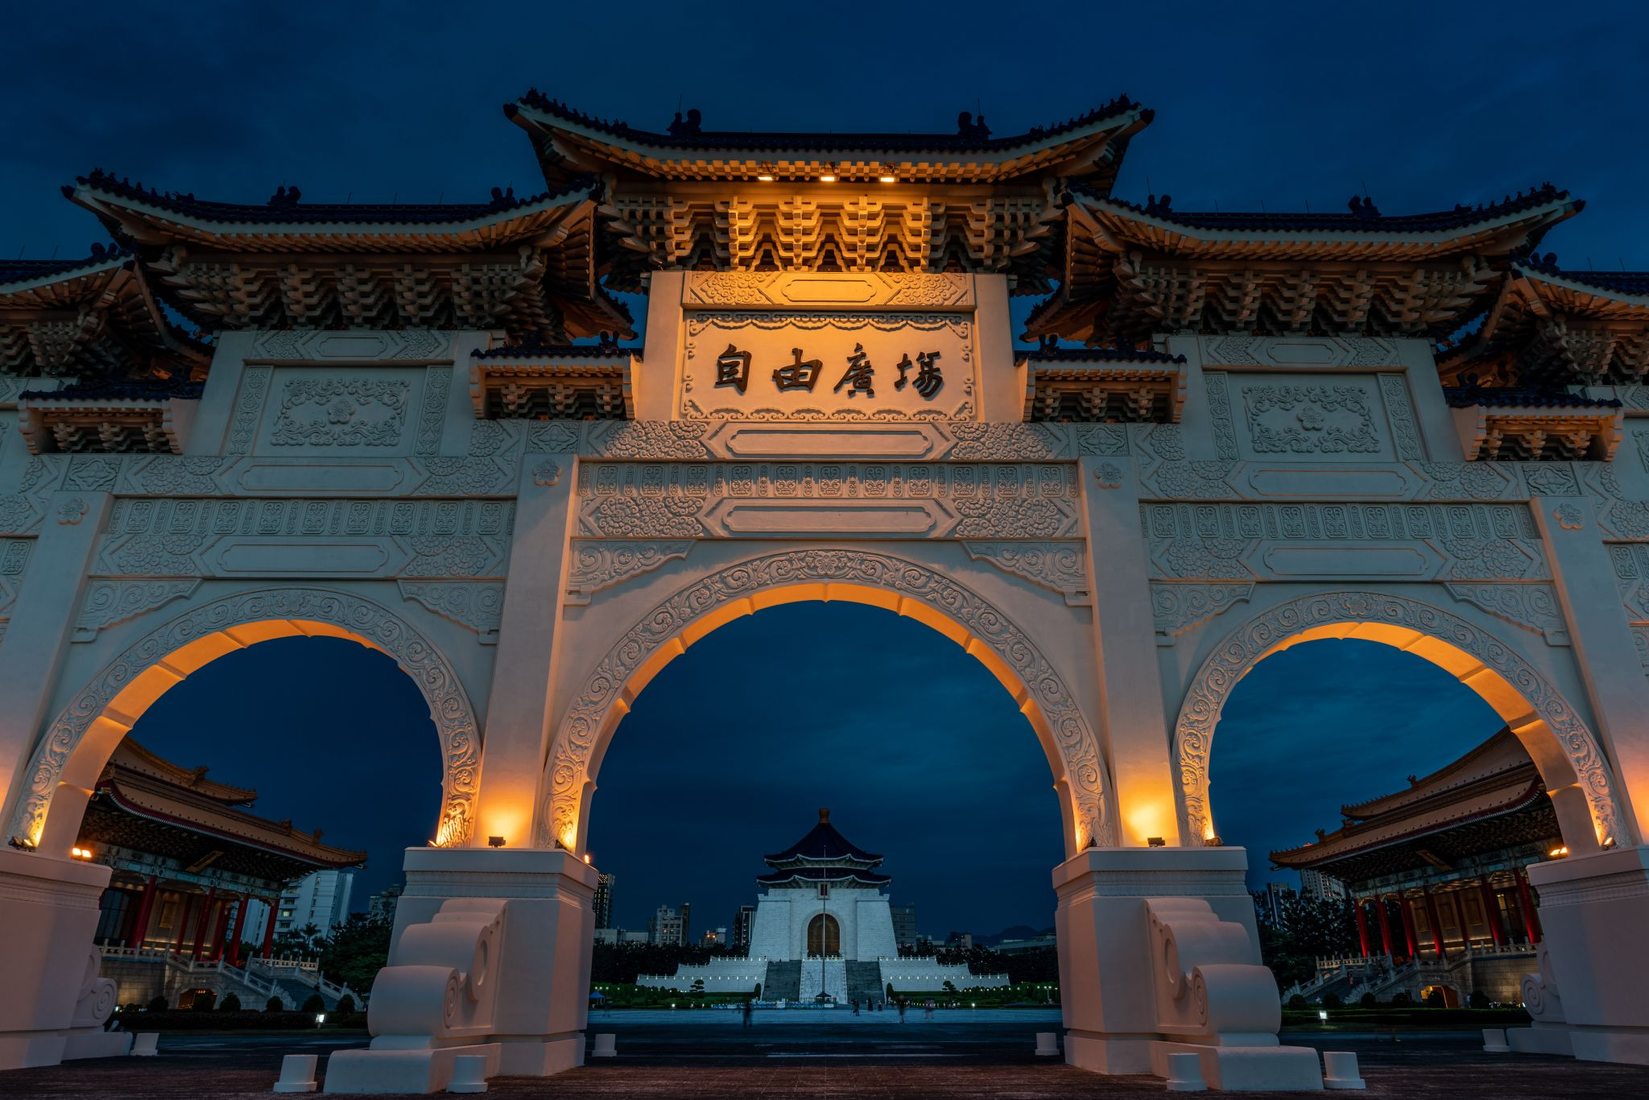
(836, 1056)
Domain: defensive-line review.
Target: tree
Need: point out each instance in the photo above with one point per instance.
(230, 1003)
(1304, 930)
(314, 1004)
(274, 1004)
(346, 1005)
(356, 950)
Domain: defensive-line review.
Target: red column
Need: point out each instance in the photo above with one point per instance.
(1525, 902)
(1436, 922)
(269, 930)
(1491, 912)
(1409, 934)
(204, 920)
(188, 903)
(240, 928)
(220, 929)
(1362, 926)
(1385, 925)
(140, 927)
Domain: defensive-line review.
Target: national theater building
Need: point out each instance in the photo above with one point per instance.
(823, 930)
(1436, 876)
(189, 860)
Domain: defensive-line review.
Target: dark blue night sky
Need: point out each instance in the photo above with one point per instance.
(918, 751)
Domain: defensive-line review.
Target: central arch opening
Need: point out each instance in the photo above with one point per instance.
(934, 854)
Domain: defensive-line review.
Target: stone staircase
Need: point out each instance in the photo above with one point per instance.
(864, 982)
(827, 976)
(784, 981)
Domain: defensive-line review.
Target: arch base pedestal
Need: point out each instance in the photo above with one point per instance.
(48, 909)
(490, 956)
(1588, 995)
(1158, 955)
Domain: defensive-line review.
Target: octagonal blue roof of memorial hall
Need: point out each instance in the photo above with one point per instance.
(824, 846)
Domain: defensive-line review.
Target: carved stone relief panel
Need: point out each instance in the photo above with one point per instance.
(1310, 415)
(474, 605)
(809, 499)
(1060, 567)
(599, 564)
(1531, 607)
(300, 538)
(303, 346)
(789, 290)
(1343, 541)
(1180, 607)
(14, 561)
(109, 603)
(1299, 351)
(332, 412)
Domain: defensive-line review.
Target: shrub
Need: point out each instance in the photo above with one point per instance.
(1297, 1001)
(231, 1003)
(274, 1004)
(1403, 1000)
(1333, 1001)
(1368, 1000)
(314, 1004)
(1478, 999)
(346, 1005)
(203, 1002)
(1435, 999)
(158, 1005)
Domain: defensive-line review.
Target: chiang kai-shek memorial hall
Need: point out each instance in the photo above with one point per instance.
(435, 430)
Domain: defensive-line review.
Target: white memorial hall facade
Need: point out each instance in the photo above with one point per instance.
(396, 425)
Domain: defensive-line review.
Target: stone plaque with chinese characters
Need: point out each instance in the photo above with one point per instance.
(831, 347)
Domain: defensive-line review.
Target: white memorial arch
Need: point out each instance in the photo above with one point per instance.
(1250, 437)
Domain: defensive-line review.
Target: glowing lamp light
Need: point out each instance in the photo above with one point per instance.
(889, 179)
(765, 179)
(320, 1018)
(828, 178)
(78, 852)
(495, 842)
(1559, 852)
(1322, 1014)
(586, 857)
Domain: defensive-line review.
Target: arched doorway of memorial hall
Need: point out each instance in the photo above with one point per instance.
(1420, 785)
(922, 758)
(213, 775)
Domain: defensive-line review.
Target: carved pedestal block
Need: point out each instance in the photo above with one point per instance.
(491, 957)
(1159, 956)
(55, 1003)
(1593, 910)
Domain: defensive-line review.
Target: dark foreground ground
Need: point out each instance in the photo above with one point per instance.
(987, 1055)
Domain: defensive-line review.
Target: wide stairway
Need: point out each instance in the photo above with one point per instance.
(864, 982)
(784, 981)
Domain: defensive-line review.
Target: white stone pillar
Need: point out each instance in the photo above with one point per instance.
(48, 911)
(1132, 724)
(42, 620)
(1604, 650)
(1158, 954)
(518, 708)
(1593, 910)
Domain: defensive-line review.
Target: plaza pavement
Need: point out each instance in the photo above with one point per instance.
(702, 1055)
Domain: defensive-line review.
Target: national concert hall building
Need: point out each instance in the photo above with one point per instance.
(436, 430)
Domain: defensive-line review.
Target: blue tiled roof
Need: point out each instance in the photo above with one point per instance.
(1618, 282)
(286, 207)
(958, 142)
(1365, 220)
(823, 842)
(118, 390)
(1460, 397)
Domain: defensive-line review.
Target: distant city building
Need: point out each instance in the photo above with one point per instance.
(822, 931)
(668, 925)
(741, 928)
(382, 905)
(604, 901)
(1314, 884)
(713, 937)
(960, 941)
(904, 925)
(1024, 946)
(320, 899)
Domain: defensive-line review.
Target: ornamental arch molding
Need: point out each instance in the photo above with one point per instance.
(78, 742)
(1571, 762)
(881, 580)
